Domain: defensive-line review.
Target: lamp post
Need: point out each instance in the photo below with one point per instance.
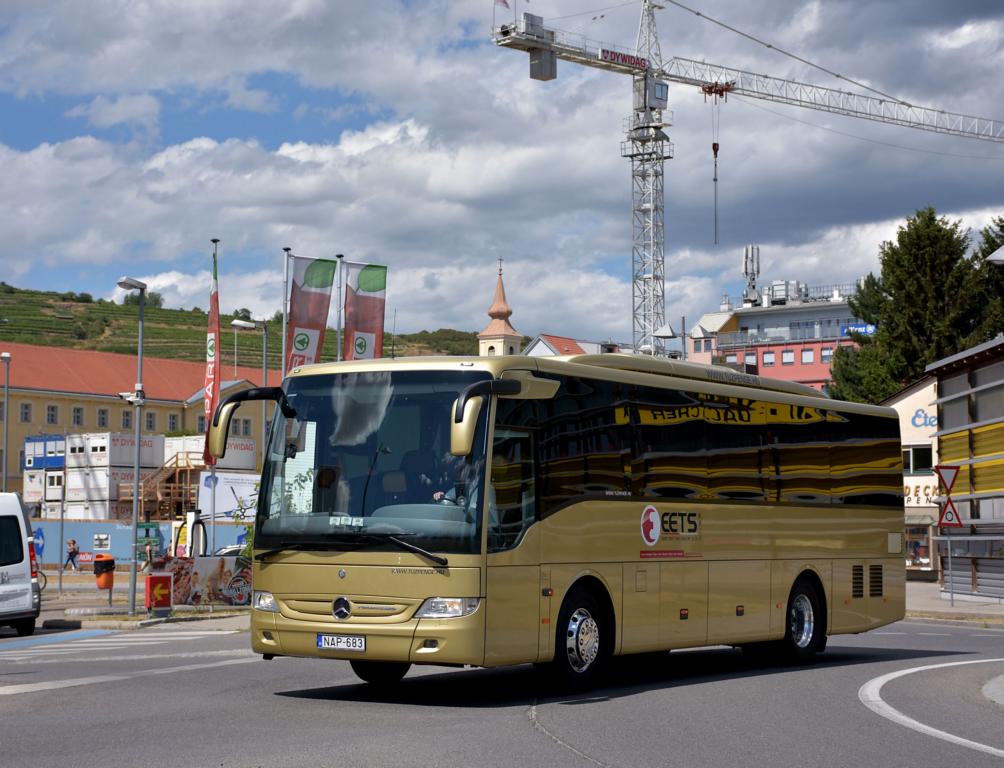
(5, 356)
(136, 398)
(263, 326)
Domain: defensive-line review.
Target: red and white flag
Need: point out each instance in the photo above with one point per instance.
(212, 388)
(309, 302)
(503, 3)
(365, 298)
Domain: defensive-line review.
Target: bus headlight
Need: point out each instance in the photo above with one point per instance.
(265, 601)
(447, 607)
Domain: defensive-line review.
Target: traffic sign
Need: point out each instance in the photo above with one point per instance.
(158, 590)
(949, 515)
(947, 473)
(39, 543)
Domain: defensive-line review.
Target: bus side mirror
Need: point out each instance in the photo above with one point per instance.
(462, 431)
(220, 428)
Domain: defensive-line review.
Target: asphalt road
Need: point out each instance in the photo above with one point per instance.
(184, 695)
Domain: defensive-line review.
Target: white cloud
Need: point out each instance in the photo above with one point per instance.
(140, 110)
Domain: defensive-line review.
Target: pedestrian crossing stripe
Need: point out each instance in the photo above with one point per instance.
(99, 640)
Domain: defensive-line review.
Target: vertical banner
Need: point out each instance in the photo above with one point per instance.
(309, 301)
(212, 386)
(365, 292)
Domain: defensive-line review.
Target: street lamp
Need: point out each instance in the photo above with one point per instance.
(246, 325)
(5, 356)
(136, 399)
(997, 257)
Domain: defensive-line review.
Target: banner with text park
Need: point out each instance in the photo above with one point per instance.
(309, 302)
(365, 297)
(211, 395)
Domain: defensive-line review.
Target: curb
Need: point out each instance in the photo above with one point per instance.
(963, 620)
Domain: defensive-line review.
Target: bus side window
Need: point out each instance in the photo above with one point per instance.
(511, 497)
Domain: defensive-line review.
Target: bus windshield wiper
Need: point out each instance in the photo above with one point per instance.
(407, 545)
(303, 545)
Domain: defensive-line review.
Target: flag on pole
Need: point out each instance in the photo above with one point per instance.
(309, 302)
(503, 3)
(211, 395)
(365, 297)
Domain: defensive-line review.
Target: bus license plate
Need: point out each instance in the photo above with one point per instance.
(342, 642)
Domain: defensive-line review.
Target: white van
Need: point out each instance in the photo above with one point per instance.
(20, 596)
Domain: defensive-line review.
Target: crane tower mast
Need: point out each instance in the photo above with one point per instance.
(647, 145)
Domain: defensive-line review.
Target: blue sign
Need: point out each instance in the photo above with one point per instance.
(39, 543)
(865, 329)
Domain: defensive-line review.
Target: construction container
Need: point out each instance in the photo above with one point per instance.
(44, 452)
(113, 449)
(92, 510)
(99, 483)
(242, 452)
(33, 486)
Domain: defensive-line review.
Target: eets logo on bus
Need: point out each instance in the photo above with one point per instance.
(650, 525)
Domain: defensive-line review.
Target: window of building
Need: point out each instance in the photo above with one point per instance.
(750, 358)
(78, 416)
(3, 415)
(53, 480)
(953, 414)
(25, 413)
(787, 357)
(730, 359)
(826, 355)
(990, 403)
(102, 417)
(127, 419)
(246, 428)
(52, 414)
(172, 422)
(917, 459)
(151, 421)
(202, 425)
(707, 345)
(697, 345)
(808, 356)
(768, 358)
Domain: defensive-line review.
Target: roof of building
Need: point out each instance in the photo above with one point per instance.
(83, 371)
(499, 312)
(562, 345)
(709, 323)
(985, 349)
(909, 389)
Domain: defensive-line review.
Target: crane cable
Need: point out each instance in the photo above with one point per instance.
(715, 124)
(787, 53)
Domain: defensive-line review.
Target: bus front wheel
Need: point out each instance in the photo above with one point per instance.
(805, 626)
(380, 672)
(582, 642)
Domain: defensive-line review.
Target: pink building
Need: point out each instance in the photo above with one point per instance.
(789, 331)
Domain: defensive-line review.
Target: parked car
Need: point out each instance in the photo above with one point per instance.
(20, 596)
(231, 550)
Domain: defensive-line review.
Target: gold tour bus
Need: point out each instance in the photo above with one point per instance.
(560, 511)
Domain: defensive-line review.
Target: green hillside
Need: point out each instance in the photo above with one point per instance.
(77, 320)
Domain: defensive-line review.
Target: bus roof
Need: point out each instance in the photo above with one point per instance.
(712, 374)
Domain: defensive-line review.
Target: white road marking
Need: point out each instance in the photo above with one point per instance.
(109, 642)
(889, 633)
(137, 657)
(12, 690)
(934, 634)
(870, 695)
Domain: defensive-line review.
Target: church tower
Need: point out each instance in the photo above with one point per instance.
(499, 337)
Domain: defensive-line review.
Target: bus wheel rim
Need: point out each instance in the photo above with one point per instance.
(802, 621)
(582, 640)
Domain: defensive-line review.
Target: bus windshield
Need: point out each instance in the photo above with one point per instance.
(366, 463)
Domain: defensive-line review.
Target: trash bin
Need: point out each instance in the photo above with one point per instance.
(104, 571)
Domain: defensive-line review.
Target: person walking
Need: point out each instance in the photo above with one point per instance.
(72, 550)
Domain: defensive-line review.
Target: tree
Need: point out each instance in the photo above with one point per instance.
(153, 299)
(930, 301)
(243, 314)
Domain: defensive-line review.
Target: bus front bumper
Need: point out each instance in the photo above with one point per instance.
(419, 641)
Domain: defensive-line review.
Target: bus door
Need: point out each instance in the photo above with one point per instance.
(513, 586)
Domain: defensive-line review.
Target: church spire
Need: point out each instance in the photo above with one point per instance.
(499, 337)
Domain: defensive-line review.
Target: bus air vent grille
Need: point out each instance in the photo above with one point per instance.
(858, 581)
(875, 580)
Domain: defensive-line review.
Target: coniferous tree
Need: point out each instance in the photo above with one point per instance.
(929, 301)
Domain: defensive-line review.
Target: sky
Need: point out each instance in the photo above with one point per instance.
(395, 132)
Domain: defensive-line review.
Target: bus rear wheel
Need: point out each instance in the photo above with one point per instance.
(380, 672)
(582, 641)
(805, 625)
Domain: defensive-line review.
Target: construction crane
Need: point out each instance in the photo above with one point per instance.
(648, 146)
